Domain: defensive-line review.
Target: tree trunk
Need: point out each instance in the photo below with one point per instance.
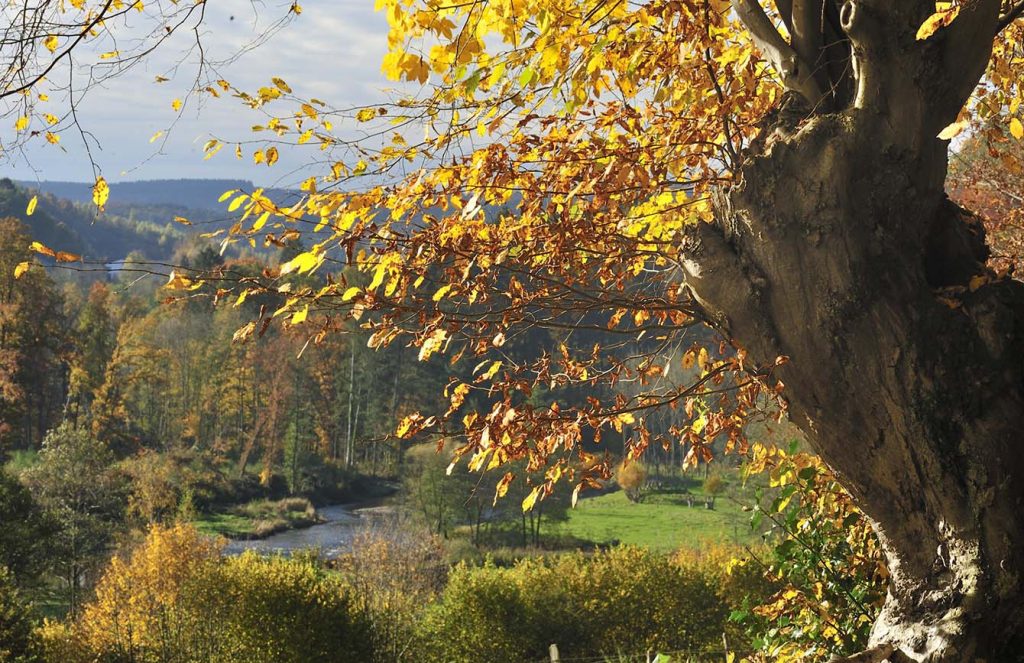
(838, 249)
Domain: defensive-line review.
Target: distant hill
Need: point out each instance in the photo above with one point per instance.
(193, 194)
(71, 226)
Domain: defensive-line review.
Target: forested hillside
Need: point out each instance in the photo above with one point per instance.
(75, 227)
(195, 194)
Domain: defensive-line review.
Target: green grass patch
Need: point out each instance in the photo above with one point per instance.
(21, 460)
(259, 519)
(662, 522)
(225, 524)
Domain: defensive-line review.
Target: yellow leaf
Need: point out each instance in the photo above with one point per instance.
(100, 193)
(441, 292)
(531, 499)
(178, 282)
(432, 344)
(281, 85)
(366, 114)
(31, 206)
(21, 124)
(360, 168)
(378, 277)
(52, 138)
(296, 8)
(211, 148)
(492, 371)
(953, 130)
(182, 220)
(244, 332)
(1017, 129)
(271, 156)
(109, 55)
(176, 104)
(237, 202)
(350, 293)
(51, 43)
(301, 263)
(21, 269)
(405, 426)
(300, 316)
(38, 247)
(939, 19)
(227, 194)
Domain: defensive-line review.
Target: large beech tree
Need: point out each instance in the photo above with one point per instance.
(776, 171)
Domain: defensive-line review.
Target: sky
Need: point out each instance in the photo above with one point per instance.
(332, 51)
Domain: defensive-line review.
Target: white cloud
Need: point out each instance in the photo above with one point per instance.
(332, 52)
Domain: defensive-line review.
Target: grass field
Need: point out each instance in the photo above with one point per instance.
(662, 522)
(258, 519)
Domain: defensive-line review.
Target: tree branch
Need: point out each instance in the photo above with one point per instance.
(785, 9)
(808, 38)
(796, 74)
(967, 51)
(1009, 17)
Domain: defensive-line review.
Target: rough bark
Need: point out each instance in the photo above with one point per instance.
(838, 249)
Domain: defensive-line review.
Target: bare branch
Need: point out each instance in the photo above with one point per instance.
(808, 38)
(796, 74)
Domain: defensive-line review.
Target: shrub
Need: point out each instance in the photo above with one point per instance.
(137, 606)
(17, 644)
(276, 610)
(396, 569)
(60, 642)
(631, 477)
(175, 599)
(626, 599)
(825, 560)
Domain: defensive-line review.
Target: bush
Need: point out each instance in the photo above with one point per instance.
(825, 562)
(276, 610)
(623, 600)
(25, 532)
(396, 569)
(631, 477)
(137, 608)
(17, 643)
(175, 599)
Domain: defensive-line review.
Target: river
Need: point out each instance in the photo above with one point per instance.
(333, 536)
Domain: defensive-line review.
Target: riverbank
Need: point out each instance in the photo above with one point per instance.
(259, 519)
(262, 518)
